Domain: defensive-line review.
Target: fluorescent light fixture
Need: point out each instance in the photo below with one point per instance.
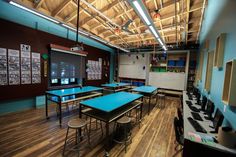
(141, 12)
(67, 26)
(159, 40)
(34, 12)
(164, 47)
(83, 32)
(153, 31)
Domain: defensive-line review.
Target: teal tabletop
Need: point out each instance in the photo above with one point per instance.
(72, 91)
(111, 102)
(145, 89)
(113, 85)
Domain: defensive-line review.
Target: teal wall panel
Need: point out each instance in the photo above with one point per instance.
(219, 18)
(16, 105)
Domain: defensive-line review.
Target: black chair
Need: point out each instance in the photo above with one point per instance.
(179, 137)
(180, 116)
(203, 105)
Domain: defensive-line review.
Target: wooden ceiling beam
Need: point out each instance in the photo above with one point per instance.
(194, 30)
(74, 13)
(187, 21)
(106, 8)
(150, 38)
(104, 26)
(163, 18)
(38, 5)
(60, 7)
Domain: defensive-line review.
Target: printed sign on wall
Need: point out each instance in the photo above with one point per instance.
(36, 68)
(25, 64)
(14, 67)
(3, 66)
(94, 69)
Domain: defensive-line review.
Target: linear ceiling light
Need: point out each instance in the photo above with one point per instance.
(140, 10)
(143, 13)
(80, 31)
(154, 32)
(159, 40)
(32, 11)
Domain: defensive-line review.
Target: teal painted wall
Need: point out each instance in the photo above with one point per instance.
(219, 18)
(16, 105)
(16, 15)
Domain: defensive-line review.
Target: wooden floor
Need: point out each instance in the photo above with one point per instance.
(28, 133)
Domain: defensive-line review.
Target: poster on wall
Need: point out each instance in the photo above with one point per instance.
(14, 67)
(36, 68)
(25, 64)
(94, 71)
(3, 66)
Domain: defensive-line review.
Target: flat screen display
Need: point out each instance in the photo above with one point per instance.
(72, 80)
(53, 81)
(64, 81)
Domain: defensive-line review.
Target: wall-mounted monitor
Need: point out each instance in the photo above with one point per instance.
(54, 81)
(64, 81)
(72, 80)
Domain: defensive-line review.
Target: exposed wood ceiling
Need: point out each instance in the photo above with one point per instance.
(179, 22)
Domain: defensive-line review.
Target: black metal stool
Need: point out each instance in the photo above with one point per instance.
(123, 125)
(77, 124)
(161, 100)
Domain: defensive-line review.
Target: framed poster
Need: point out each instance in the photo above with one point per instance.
(14, 67)
(36, 68)
(25, 64)
(94, 71)
(3, 66)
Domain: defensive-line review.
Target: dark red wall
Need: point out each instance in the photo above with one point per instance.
(12, 35)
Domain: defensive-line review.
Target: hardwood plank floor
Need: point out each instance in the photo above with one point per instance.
(28, 133)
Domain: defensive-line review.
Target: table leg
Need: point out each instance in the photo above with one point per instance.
(80, 116)
(60, 113)
(46, 106)
(149, 104)
(107, 140)
(141, 110)
(80, 111)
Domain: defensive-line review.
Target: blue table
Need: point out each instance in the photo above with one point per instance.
(63, 95)
(116, 86)
(110, 107)
(146, 91)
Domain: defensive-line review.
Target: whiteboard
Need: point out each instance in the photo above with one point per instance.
(131, 67)
(167, 80)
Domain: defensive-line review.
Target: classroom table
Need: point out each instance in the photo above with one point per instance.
(116, 87)
(111, 107)
(192, 142)
(61, 96)
(147, 91)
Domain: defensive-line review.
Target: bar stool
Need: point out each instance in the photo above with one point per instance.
(123, 126)
(161, 100)
(135, 117)
(77, 124)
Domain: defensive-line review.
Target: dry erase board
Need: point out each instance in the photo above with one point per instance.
(132, 66)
